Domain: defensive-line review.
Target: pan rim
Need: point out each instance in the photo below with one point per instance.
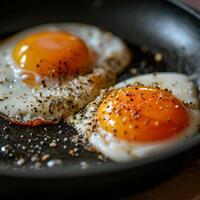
(52, 173)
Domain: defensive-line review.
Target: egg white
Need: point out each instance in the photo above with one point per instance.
(122, 151)
(20, 102)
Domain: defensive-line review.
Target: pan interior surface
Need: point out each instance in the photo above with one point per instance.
(145, 26)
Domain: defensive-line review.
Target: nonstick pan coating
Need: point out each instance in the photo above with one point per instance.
(148, 27)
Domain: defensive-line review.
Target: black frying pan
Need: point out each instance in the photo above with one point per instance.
(167, 27)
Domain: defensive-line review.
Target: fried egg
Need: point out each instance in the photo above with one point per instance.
(141, 116)
(51, 71)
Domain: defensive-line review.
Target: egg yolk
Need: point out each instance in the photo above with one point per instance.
(53, 54)
(142, 114)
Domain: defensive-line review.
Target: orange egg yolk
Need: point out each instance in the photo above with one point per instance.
(53, 54)
(142, 114)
